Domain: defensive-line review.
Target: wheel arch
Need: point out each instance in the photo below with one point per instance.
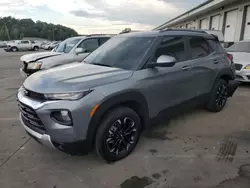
(226, 74)
(133, 99)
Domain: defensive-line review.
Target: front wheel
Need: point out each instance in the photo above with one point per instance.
(118, 134)
(218, 97)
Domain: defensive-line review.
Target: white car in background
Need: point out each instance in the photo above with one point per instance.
(22, 45)
(73, 49)
(241, 57)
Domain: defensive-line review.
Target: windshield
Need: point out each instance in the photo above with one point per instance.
(67, 45)
(240, 47)
(121, 52)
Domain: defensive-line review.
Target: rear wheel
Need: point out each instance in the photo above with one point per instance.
(14, 49)
(219, 96)
(118, 134)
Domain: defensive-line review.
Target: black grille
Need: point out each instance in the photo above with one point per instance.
(239, 77)
(30, 118)
(238, 66)
(25, 65)
(248, 77)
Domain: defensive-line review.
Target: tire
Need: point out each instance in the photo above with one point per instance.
(14, 49)
(35, 48)
(218, 97)
(111, 141)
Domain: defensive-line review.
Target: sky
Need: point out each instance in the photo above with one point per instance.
(98, 16)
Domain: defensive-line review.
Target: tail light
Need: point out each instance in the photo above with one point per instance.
(230, 56)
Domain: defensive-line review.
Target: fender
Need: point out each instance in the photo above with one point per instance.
(226, 73)
(111, 102)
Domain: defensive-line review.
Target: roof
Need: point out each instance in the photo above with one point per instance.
(157, 33)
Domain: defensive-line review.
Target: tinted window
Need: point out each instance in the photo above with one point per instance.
(67, 45)
(89, 45)
(103, 40)
(121, 52)
(240, 47)
(215, 46)
(172, 46)
(25, 42)
(199, 47)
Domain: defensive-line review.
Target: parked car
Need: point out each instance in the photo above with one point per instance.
(21, 45)
(52, 45)
(241, 57)
(71, 50)
(108, 99)
(3, 44)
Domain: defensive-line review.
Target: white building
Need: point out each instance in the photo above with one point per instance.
(232, 17)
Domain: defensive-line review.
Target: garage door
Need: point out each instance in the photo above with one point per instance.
(230, 26)
(204, 24)
(247, 26)
(215, 23)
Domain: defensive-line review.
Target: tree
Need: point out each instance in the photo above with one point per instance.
(19, 28)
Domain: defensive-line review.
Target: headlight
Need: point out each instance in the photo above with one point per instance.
(67, 96)
(35, 65)
(247, 67)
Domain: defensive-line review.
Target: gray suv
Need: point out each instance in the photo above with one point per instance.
(108, 99)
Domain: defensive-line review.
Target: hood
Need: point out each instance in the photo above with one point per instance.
(37, 56)
(74, 77)
(241, 57)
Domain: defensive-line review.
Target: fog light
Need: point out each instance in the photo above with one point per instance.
(62, 117)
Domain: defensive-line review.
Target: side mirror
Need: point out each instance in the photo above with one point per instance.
(80, 50)
(163, 61)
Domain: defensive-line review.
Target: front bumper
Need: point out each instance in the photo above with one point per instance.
(41, 138)
(243, 75)
(7, 49)
(70, 139)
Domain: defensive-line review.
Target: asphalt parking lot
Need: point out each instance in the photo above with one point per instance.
(196, 149)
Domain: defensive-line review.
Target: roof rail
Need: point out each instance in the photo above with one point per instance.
(177, 29)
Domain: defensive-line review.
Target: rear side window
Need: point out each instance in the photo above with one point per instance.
(199, 47)
(25, 42)
(172, 46)
(103, 40)
(215, 46)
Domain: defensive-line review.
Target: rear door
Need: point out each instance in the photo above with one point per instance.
(205, 61)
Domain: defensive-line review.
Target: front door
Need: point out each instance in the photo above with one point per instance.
(167, 87)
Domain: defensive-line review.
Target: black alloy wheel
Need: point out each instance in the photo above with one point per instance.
(221, 96)
(118, 134)
(121, 136)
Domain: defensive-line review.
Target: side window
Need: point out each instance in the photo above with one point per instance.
(103, 40)
(89, 45)
(172, 46)
(24, 42)
(216, 46)
(199, 47)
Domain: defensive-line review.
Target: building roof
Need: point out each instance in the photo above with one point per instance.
(204, 7)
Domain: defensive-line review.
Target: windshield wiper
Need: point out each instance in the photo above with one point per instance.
(101, 64)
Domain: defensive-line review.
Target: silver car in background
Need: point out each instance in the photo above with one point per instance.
(241, 57)
(73, 49)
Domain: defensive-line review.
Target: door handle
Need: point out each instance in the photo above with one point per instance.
(216, 61)
(185, 68)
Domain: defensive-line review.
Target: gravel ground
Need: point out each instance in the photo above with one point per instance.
(196, 149)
